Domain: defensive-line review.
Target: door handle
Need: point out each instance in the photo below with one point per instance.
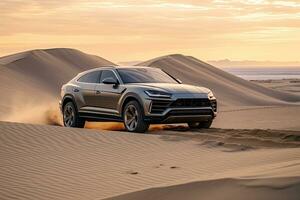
(98, 92)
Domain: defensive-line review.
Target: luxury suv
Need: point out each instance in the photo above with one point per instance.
(137, 96)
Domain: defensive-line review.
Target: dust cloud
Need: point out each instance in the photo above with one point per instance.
(42, 113)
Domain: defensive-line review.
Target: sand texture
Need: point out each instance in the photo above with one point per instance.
(285, 85)
(48, 162)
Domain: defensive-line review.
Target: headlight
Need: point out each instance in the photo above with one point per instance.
(158, 94)
(210, 95)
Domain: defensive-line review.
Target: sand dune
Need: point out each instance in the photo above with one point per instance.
(230, 90)
(48, 162)
(286, 85)
(246, 189)
(31, 81)
(47, 69)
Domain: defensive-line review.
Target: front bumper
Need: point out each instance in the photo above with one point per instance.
(180, 110)
(179, 115)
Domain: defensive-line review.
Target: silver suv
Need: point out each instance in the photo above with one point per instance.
(137, 96)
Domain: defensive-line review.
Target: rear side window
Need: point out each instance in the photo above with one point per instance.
(107, 74)
(92, 77)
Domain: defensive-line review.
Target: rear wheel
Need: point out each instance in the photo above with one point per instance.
(133, 117)
(71, 117)
(204, 124)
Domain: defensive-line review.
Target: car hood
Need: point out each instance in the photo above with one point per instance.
(175, 88)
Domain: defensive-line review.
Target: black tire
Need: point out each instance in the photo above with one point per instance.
(205, 124)
(133, 118)
(71, 117)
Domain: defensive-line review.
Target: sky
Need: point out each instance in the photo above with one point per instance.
(258, 30)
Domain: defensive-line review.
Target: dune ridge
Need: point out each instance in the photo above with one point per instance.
(220, 189)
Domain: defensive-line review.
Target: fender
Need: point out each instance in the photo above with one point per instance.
(68, 96)
(125, 97)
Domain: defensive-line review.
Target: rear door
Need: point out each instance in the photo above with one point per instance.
(87, 84)
(108, 94)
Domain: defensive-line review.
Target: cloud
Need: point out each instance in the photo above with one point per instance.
(157, 24)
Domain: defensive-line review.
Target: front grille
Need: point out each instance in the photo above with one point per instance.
(159, 106)
(187, 103)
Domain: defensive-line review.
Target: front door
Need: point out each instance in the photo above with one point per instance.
(108, 95)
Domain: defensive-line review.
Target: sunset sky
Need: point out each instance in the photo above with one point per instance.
(138, 30)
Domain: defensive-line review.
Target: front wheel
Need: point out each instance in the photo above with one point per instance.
(71, 117)
(205, 124)
(134, 118)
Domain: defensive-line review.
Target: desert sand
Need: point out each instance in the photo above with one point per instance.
(48, 162)
(285, 85)
(252, 151)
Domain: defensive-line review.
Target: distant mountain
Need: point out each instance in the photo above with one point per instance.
(252, 63)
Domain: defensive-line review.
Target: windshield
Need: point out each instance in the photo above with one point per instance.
(145, 75)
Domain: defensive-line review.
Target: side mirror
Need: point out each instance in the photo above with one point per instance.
(110, 81)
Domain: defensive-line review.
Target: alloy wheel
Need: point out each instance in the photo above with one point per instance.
(69, 116)
(131, 118)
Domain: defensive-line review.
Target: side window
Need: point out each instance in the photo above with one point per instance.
(92, 77)
(106, 74)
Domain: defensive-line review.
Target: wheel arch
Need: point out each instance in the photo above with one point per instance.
(128, 98)
(66, 99)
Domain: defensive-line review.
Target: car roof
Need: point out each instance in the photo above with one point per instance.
(121, 66)
(113, 67)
